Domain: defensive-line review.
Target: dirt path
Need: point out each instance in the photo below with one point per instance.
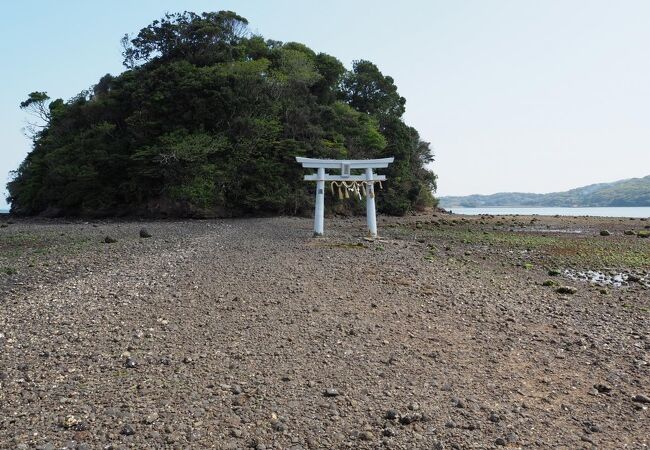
(250, 334)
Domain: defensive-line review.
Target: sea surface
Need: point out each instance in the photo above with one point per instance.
(623, 211)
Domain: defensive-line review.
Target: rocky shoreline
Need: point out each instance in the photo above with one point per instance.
(446, 332)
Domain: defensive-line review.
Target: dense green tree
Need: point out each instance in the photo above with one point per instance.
(207, 120)
(366, 89)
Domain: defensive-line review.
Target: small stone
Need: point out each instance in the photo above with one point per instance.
(414, 407)
(109, 240)
(633, 278)
(602, 388)
(236, 389)
(640, 398)
(409, 418)
(331, 392)
(278, 426)
(365, 436)
(458, 403)
(593, 428)
(391, 414)
(130, 363)
(494, 417)
(151, 418)
(605, 233)
(389, 432)
(144, 233)
(46, 446)
(127, 430)
(69, 421)
(566, 290)
(554, 273)
(500, 441)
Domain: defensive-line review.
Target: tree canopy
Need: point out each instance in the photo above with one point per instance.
(206, 121)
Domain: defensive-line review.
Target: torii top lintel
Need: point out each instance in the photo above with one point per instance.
(313, 163)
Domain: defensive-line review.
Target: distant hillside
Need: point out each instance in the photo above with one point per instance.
(631, 192)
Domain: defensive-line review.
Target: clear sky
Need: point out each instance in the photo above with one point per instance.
(514, 95)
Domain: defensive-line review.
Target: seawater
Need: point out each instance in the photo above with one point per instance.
(623, 211)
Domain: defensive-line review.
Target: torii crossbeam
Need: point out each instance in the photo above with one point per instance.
(345, 166)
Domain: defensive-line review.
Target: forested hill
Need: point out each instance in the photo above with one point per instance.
(631, 192)
(206, 120)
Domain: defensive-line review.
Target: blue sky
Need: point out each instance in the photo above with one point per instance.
(514, 95)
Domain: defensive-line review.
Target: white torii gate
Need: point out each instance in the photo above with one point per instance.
(345, 166)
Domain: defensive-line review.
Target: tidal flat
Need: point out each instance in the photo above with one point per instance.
(445, 332)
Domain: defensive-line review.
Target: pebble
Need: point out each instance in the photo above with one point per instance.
(640, 398)
(566, 290)
(46, 446)
(144, 233)
(331, 392)
(278, 426)
(366, 436)
(127, 430)
(130, 363)
(602, 388)
(409, 418)
(391, 414)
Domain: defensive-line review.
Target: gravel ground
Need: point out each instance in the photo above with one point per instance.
(445, 333)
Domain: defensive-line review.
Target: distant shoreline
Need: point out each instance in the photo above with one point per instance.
(590, 211)
(539, 207)
(632, 192)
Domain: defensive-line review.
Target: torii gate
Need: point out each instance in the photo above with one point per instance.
(345, 166)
